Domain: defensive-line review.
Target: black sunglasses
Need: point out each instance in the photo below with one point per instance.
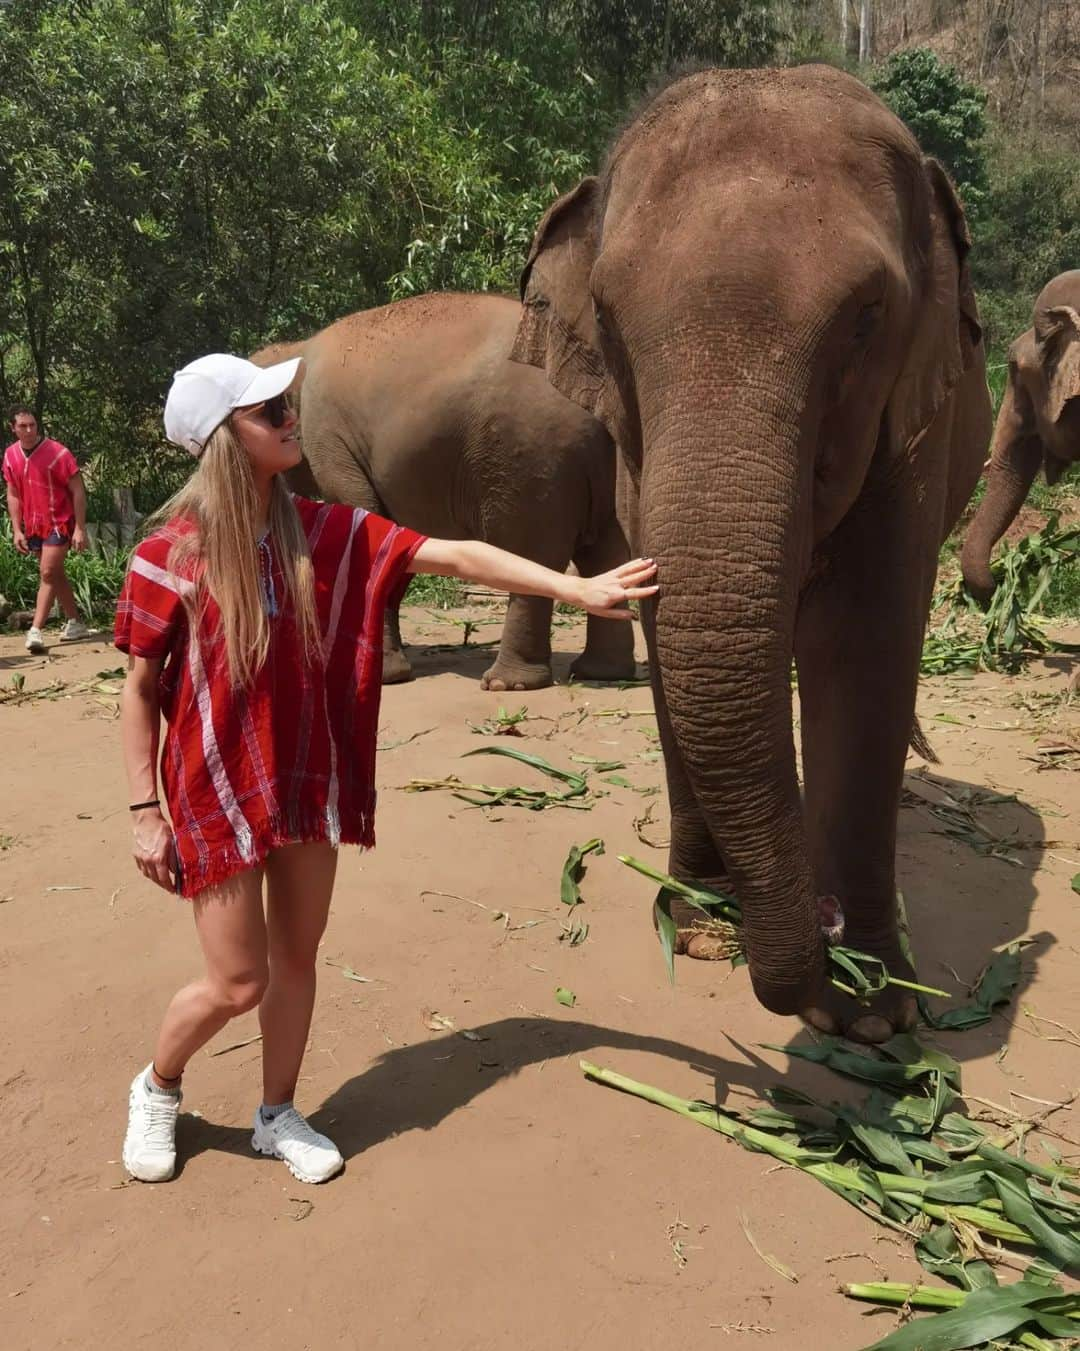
(277, 409)
(274, 410)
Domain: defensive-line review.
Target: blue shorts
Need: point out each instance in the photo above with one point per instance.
(35, 543)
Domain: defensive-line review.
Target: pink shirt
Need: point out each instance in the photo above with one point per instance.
(40, 482)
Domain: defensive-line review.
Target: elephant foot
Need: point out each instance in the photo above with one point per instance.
(880, 1017)
(507, 675)
(602, 668)
(698, 936)
(396, 669)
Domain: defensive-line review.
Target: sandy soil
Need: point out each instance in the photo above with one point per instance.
(492, 1197)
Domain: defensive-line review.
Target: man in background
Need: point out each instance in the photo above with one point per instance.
(47, 503)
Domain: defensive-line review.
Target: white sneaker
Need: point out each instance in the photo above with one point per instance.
(309, 1156)
(34, 641)
(73, 631)
(150, 1143)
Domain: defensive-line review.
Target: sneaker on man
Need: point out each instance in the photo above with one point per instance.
(150, 1143)
(73, 631)
(35, 642)
(309, 1156)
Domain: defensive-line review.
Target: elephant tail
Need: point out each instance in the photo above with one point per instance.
(921, 746)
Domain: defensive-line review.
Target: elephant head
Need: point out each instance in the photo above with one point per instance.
(1038, 424)
(764, 297)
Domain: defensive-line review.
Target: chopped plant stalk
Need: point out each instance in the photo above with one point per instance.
(858, 973)
(767, 1258)
(905, 1296)
(565, 997)
(977, 1316)
(956, 1211)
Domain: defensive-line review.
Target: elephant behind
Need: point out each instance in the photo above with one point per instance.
(765, 297)
(1038, 425)
(415, 411)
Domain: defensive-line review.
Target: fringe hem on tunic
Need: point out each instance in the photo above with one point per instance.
(273, 833)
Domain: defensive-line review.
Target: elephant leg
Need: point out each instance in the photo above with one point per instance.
(524, 660)
(609, 644)
(858, 644)
(692, 854)
(395, 666)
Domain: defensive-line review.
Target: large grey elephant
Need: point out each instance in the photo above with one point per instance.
(1038, 424)
(415, 411)
(764, 295)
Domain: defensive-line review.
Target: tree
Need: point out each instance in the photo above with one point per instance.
(945, 113)
(192, 175)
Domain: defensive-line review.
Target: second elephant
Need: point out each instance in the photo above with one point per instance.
(1038, 426)
(415, 411)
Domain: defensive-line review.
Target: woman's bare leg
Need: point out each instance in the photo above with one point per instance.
(300, 880)
(232, 932)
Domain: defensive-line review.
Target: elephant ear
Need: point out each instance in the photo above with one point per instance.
(947, 334)
(1057, 337)
(557, 330)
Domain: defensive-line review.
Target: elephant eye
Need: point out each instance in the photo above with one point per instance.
(867, 321)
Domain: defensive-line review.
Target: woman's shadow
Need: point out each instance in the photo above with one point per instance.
(966, 863)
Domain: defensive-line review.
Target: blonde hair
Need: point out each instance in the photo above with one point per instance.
(221, 553)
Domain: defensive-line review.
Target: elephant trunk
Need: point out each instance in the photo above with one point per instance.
(1012, 472)
(730, 527)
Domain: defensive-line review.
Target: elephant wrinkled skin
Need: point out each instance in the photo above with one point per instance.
(415, 412)
(764, 295)
(1038, 425)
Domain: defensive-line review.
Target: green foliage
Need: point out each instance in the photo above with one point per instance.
(192, 176)
(1028, 232)
(945, 113)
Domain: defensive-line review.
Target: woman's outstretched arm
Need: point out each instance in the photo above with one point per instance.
(473, 561)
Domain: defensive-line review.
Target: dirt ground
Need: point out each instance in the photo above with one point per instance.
(492, 1197)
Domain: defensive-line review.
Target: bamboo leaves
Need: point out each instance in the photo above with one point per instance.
(895, 1160)
(974, 1318)
(534, 799)
(855, 973)
(994, 987)
(575, 931)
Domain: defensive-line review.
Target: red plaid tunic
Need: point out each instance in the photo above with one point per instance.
(40, 482)
(291, 757)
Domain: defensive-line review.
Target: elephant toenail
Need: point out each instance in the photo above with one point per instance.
(871, 1029)
(820, 1020)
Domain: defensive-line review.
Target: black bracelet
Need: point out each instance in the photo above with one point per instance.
(138, 806)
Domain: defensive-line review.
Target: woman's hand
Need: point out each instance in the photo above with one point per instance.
(152, 846)
(607, 594)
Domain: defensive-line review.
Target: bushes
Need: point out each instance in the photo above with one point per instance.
(946, 114)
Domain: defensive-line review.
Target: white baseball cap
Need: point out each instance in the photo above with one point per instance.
(206, 391)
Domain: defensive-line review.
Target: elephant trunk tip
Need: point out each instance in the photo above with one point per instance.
(975, 568)
(788, 990)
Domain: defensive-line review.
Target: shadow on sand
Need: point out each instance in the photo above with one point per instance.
(964, 899)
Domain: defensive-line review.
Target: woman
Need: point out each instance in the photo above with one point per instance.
(252, 621)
